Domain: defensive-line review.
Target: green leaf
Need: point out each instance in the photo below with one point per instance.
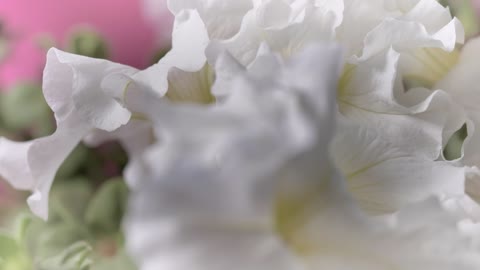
(106, 209)
(8, 247)
(87, 42)
(12, 257)
(22, 223)
(453, 149)
(73, 162)
(465, 12)
(69, 200)
(23, 107)
(75, 257)
(46, 240)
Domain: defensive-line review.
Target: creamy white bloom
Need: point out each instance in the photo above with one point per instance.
(386, 150)
(248, 184)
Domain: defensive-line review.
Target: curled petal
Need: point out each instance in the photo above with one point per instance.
(72, 84)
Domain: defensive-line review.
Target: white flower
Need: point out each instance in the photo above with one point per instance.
(248, 184)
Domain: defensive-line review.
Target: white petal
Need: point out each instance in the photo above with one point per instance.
(274, 14)
(431, 14)
(221, 17)
(367, 95)
(386, 171)
(473, 185)
(359, 18)
(72, 83)
(189, 42)
(407, 35)
(32, 165)
(227, 68)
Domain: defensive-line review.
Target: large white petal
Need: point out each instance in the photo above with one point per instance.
(367, 95)
(72, 84)
(387, 170)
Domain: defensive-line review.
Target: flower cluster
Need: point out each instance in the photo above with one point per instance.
(282, 134)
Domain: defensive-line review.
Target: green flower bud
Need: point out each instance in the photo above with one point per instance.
(24, 108)
(87, 42)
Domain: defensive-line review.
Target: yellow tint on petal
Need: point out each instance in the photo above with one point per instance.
(434, 64)
(294, 210)
(192, 87)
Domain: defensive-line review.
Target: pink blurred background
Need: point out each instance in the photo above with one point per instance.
(131, 36)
